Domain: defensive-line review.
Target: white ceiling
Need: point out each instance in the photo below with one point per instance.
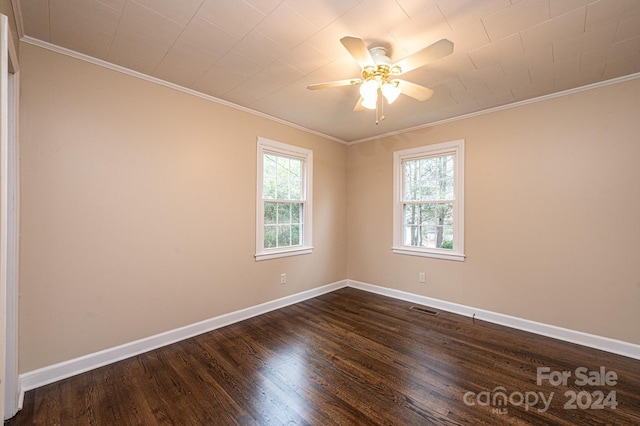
(261, 54)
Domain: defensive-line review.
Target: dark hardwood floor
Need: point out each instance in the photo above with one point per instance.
(350, 357)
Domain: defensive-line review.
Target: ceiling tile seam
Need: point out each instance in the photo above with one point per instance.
(114, 34)
(140, 35)
(199, 75)
(289, 49)
(232, 86)
(584, 25)
(318, 29)
(254, 27)
(484, 28)
(184, 27)
(162, 14)
(221, 56)
(615, 33)
(237, 43)
(462, 82)
(402, 9)
(155, 69)
(524, 53)
(155, 80)
(447, 21)
(109, 6)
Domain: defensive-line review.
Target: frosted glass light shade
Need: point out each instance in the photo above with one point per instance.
(390, 91)
(369, 89)
(370, 102)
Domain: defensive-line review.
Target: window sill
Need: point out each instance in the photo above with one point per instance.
(283, 253)
(459, 257)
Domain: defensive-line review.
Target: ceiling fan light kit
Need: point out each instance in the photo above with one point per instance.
(378, 73)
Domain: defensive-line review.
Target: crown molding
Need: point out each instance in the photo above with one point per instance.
(155, 80)
(504, 107)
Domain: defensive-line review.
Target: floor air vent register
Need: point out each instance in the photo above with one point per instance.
(424, 310)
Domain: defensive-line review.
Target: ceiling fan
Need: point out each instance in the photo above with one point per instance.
(379, 73)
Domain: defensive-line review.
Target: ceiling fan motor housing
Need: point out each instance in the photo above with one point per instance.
(379, 55)
(382, 66)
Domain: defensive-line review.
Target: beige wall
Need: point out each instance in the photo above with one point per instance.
(138, 210)
(552, 214)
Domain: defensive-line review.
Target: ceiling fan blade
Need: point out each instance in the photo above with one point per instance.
(415, 91)
(358, 50)
(437, 50)
(337, 83)
(359, 106)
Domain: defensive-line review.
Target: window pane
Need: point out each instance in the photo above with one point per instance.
(284, 213)
(295, 179)
(295, 167)
(296, 213)
(283, 178)
(269, 165)
(284, 235)
(444, 231)
(270, 213)
(295, 235)
(428, 179)
(269, 176)
(282, 188)
(428, 225)
(295, 187)
(269, 188)
(269, 236)
(411, 181)
(412, 214)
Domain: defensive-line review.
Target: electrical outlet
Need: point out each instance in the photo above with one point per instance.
(422, 277)
(283, 278)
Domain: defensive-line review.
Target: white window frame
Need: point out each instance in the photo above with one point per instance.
(455, 148)
(306, 156)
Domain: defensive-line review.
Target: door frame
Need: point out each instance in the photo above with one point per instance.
(9, 220)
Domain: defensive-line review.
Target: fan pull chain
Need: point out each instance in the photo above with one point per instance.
(381, 115)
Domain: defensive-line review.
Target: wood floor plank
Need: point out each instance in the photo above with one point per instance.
(344, 358)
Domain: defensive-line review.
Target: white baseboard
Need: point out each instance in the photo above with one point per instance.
(590, 340)
(53, 373)
(62, 370)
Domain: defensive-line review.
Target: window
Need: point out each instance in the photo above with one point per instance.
(283, 206)
(428, 215)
